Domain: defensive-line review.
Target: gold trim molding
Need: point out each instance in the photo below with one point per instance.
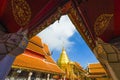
(81, 27)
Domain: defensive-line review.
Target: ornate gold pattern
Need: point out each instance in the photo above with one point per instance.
(102, 23)
(21, 12)
(80, 25)
(100, 50)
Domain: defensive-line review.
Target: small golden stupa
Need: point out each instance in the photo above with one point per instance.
(72, 70)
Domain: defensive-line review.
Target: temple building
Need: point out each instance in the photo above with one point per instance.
(73, 70)
(35, 63)
(98, 22)
(97, 72)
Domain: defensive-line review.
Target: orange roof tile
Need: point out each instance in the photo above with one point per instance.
(26, 61)
(36, 48)
(46, 49)
(95, 65)
(96, 68)
(37, 57)
(36, 45)
(49, 59)
(36, 40)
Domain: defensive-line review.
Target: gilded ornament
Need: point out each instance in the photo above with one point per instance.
(102, 23)
(100, 49)
(21, 12)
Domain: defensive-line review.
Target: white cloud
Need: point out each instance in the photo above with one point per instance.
(58, 33)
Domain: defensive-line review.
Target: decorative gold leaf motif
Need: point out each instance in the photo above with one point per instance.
(100, 50)
(21, 12)
(102, 23)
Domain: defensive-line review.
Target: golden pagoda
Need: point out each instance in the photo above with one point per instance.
(73, 70)
(63, 58)
(35, 63)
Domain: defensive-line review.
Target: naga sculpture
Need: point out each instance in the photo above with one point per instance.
(11, 45)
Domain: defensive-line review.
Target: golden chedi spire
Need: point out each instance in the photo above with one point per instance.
(63, 58)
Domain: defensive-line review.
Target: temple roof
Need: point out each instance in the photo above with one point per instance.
(36, 45)
(63, 58)
(29, 62)
(36, 58)
(96, 68)
(36, 40)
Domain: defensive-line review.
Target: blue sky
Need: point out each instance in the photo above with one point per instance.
(63, 33)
